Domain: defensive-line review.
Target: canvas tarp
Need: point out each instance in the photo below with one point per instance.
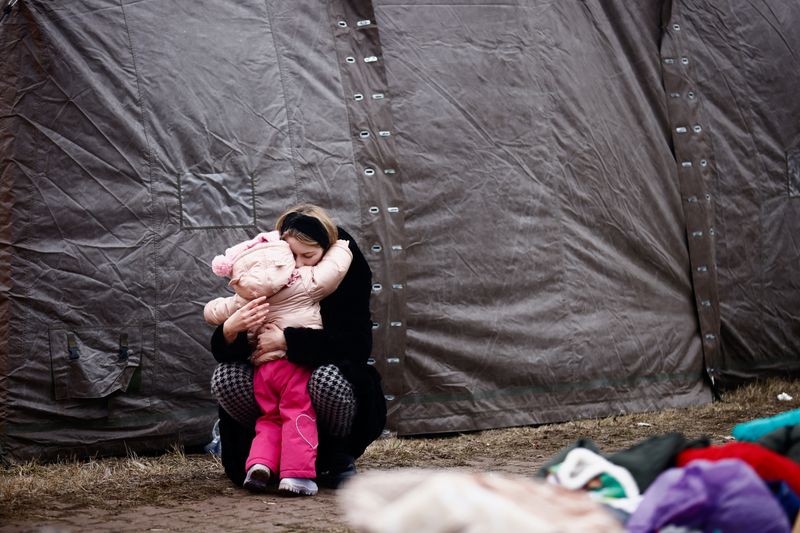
(571, 209)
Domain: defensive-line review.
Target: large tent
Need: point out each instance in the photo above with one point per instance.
(571, 208)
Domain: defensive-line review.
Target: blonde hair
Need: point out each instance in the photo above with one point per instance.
(313, 211)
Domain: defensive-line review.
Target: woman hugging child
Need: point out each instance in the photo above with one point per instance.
(263, 268)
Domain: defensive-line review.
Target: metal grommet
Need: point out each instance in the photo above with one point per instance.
(358, 97)
(376, 325)
(377, 287)
(690, 94)
(363, 134)
(676, 27)
(696, 128)
(389, 397)
(376, 248)
(369, 171)
(342, 23)
(703, 163)
(374, 210)
(708, 197)
(684, 61)
(370, 360)
(350, 59)
(712, 232)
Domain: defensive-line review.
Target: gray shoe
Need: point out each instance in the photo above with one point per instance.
(298, 485)
(257, 478)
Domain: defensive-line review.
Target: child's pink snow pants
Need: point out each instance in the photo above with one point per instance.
(286, 432)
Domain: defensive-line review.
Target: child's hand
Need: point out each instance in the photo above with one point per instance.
(250, 316)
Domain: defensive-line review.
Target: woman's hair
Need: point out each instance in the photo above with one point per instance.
(309, 210)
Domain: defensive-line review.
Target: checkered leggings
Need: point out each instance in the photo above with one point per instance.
(331, 394)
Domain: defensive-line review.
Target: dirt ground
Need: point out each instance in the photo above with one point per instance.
(190, 492)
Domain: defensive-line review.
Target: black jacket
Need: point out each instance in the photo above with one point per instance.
(345, 341)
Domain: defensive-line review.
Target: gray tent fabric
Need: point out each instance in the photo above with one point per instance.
(571, 209)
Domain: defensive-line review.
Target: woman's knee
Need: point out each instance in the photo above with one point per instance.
(232, 386)
(232, 379)
(333, 399)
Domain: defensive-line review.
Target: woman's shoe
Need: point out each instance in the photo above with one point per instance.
(334, 478)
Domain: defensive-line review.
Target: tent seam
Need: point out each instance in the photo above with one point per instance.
(282, 77)
(140, 101)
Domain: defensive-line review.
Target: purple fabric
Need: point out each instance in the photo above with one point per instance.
(724, 496)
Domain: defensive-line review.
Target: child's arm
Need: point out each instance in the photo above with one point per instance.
(329, 272)
(218, 310)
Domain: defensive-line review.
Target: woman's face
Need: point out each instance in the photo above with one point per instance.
(304, 254)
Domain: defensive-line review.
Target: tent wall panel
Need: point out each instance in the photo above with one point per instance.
(536, 200)
(68, 263)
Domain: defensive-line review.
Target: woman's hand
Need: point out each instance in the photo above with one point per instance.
(250, 316)
(271, 345)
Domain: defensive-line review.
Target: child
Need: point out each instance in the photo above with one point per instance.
(286, 433)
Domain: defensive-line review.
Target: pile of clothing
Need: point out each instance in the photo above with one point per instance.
(751, 484)
(664, 483)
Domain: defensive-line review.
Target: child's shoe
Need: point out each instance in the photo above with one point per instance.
(257, 478)
(298, 485)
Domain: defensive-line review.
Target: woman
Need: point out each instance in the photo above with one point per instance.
(345, 390)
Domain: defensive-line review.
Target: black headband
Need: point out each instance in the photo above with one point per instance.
(311, 227)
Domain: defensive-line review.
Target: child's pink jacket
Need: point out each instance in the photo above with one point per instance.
(262, 271)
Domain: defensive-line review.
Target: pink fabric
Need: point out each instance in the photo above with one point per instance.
(286, 433)
(223, 264)
(296, 304)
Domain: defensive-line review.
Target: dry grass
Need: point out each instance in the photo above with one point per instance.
(39, 491)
